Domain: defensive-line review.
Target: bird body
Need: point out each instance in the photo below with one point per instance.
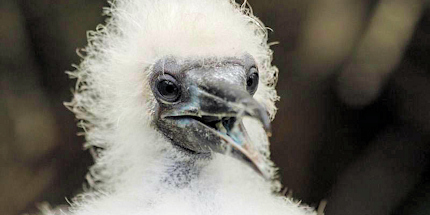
(156, 153)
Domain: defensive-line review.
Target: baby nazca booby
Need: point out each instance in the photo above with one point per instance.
(176, 98)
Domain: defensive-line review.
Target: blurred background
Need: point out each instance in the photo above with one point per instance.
(352, 130)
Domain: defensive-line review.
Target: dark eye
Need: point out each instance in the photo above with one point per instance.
(168, 88)
(252, 81)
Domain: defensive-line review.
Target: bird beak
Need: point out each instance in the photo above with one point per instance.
(212, 121)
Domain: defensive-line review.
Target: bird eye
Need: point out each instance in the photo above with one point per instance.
(252, 81)
(168, 88)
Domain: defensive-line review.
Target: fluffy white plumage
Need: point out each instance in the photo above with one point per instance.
(134, 163)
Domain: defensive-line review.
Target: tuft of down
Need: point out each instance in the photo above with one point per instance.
(115, 106)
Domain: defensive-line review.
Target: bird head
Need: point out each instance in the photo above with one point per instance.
(201, 104)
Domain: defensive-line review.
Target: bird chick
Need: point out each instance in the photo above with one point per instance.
(175, 98)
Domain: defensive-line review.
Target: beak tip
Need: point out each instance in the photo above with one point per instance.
(268, 129)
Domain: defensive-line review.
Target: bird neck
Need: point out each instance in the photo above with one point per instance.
(185, 168)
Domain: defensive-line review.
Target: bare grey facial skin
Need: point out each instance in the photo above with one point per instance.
(201, 104)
